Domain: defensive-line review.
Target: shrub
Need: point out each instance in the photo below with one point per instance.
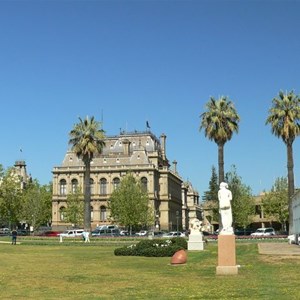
(180, 242)
(153, 248)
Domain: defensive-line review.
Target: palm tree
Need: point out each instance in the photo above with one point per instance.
(87, 140)
(284, 118)
(220, 121)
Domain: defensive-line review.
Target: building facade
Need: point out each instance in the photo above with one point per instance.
(142, 154)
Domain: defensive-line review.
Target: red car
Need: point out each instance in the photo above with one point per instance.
(50, 233)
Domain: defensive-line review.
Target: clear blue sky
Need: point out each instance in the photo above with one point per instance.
(155, 61)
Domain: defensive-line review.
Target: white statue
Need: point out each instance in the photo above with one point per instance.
(225, 197)
(195, 226)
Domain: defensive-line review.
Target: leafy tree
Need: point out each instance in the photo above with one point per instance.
(129, 204)
(220, 121)
(10, 197)
(243, 206)
(284, 118)
(212, 193)
(37, 204)
(275, 203)
(211, 196)
(75, 208)
(87, 140)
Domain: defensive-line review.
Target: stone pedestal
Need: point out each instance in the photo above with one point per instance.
(226, 255)
(195, 242)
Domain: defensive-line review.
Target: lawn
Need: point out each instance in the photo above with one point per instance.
(90, 271)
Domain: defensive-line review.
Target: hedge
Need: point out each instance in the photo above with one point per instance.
(153, 248)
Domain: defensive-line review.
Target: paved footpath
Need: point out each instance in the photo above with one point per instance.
(278, 249)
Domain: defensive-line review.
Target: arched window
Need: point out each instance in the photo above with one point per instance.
(92, 185)
(102, 213)
(62, 213)
(92, 213)
(144, 184)
(116, 182)
(103, 185)
(74, 183)
(63, 187)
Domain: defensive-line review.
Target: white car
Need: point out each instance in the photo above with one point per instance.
(142, 233)
(172, 234)
(264, 232)
(72, 233)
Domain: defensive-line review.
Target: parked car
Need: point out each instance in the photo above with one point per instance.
(174, 234)
(50, 233)
(107, 227)
(23, 232)
(142, 233)
(105, 232)
(243, 231)
(72, 233)
(4, 231)
(124, 232)
(264, 232)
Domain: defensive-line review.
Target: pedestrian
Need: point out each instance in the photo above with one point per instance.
(86, 236)
(14, 234)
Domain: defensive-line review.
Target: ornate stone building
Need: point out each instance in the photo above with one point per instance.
(141, 153)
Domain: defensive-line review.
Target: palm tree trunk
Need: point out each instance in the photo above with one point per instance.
(87, 197)
(291, 184)
(221, 174)
(221, 162)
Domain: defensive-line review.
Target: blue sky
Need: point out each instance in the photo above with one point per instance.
(155, 61)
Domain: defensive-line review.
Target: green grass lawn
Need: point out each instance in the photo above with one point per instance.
(90, 271)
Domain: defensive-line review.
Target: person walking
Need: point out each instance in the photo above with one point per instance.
(14, 235)
(86, 236)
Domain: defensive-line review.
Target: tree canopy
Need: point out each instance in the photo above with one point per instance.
(129, 204)
(37, 204)
(243, 205)
(220, 121)
(10, 197)
(75, 208)
(275, 202)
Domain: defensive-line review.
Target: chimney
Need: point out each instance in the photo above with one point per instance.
(163, 145)
(175, 166)
(126, 146)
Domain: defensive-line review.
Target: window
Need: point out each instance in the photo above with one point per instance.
(92, 213)
(62, 213)
(92, 186)
(116, 182)
(74, 183)
(102, 213)
(103, 185)
(63, 187)
(144, 184)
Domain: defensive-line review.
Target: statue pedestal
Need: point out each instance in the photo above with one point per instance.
(196, 242)
(226, 255)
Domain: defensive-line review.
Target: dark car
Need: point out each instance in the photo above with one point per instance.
(246, 231)
(23, 232)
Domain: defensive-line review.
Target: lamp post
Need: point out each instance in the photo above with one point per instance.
(177, 217)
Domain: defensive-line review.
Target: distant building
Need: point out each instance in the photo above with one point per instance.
(20, 170)
(141, 153)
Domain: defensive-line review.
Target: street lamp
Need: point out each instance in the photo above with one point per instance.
(177, 217)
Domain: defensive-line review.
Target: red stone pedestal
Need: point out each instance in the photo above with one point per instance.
(226, 255)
